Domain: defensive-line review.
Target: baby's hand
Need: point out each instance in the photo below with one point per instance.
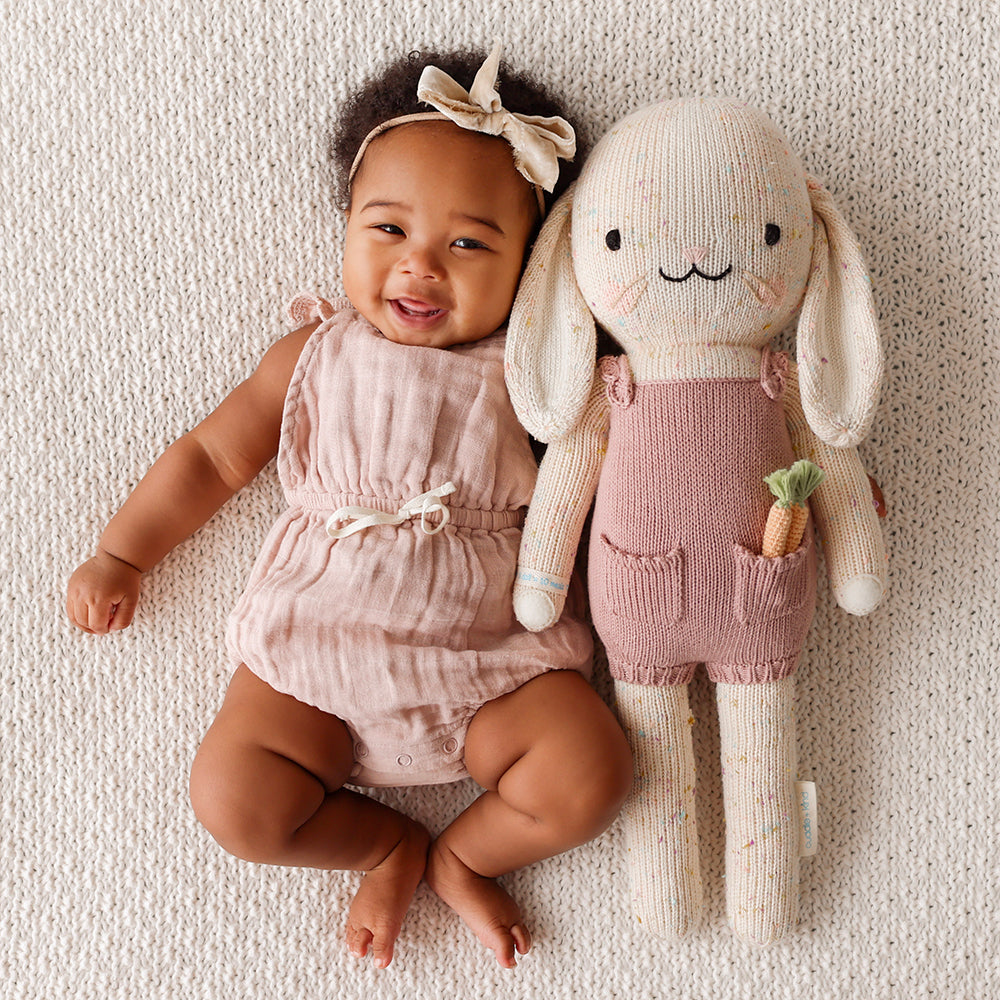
(102, 594)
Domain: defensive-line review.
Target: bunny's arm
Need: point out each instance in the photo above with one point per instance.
(566, 483)
(845, 513)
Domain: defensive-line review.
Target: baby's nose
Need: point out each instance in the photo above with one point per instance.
(422, 262)
(694, 254)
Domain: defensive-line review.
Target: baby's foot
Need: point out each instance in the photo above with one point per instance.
(481, 903)
(377, 910)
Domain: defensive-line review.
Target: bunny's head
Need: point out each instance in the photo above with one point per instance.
(693, 222)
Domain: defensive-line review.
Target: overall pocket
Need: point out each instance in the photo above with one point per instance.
(770, 588)
(644, 589)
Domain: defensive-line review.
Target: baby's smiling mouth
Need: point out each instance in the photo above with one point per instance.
(694, 271)
(417, 309)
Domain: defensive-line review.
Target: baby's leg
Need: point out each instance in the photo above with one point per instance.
(267, 784)
(556, 768)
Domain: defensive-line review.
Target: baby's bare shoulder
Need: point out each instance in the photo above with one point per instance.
(274, 373)
(241, 435)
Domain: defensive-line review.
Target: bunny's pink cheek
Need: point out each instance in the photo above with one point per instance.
(778, 292)
(611, 294)
(770, 294)
(622, 297)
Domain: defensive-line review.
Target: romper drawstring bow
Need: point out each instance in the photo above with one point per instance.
(361, 518)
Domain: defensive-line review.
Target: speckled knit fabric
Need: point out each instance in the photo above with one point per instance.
(694, 233)
(757, 736)
(164, 190)
(660, 818)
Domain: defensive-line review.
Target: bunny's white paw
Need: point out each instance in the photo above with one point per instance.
(861, 595)
(534, 610)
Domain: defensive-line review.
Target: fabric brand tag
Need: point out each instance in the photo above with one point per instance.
(805, 792)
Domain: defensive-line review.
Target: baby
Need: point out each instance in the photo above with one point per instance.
(375, 643)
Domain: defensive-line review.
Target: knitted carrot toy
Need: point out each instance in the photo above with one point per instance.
(786, 521)
(692, 236)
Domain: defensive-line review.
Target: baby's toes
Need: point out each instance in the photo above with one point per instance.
(376, 942)
(522, 939)
(359, 940)
(503, 948)
(506, 943)
(382, 950)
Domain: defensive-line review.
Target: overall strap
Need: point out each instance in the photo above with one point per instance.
(773, 372)
(617, 374)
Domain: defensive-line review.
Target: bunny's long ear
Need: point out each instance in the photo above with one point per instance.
(839, 351)
(551, 336)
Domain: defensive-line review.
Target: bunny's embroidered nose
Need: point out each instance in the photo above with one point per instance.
(694, 254)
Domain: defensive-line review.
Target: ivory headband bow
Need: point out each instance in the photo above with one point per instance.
(538, 143)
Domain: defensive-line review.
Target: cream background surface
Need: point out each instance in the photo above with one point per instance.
(164, 190)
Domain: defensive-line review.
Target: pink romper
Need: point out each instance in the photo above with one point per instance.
(676, 578)
(401, 634)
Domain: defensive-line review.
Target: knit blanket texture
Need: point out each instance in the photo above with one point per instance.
(165, 190)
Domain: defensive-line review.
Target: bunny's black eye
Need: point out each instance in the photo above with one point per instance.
(772, 233)
(614, 240)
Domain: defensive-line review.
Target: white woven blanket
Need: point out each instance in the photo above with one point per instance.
(164, 190)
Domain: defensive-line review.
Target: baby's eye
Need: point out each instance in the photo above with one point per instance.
(467, 243)
(389, 227)
(772, 233)
(613, 240)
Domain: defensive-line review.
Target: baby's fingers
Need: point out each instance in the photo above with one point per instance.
(122, 613)
(98, 616)
(79, 615)
(102, 594)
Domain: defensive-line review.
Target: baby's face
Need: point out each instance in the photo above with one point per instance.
(436, 234)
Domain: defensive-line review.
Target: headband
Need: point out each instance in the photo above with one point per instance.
(538, 143)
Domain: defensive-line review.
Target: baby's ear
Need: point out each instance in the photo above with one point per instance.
(839, 350)
(551, 337)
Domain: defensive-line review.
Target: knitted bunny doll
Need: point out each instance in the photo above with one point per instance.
(693, 235)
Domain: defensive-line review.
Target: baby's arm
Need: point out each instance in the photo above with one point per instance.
(845, 514)
(190, 481)
(566, 483)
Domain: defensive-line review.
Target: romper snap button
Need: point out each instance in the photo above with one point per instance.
(450, 746)
(404, 760)
(360, 750)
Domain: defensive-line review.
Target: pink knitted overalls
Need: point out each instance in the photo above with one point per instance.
(676, 578)
(400, 633)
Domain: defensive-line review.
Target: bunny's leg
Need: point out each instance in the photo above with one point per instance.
(659, 816)
(757, 735)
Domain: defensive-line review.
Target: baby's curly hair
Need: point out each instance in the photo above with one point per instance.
(393, 92)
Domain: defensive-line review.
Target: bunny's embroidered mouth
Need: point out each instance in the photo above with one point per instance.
(695, 271)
